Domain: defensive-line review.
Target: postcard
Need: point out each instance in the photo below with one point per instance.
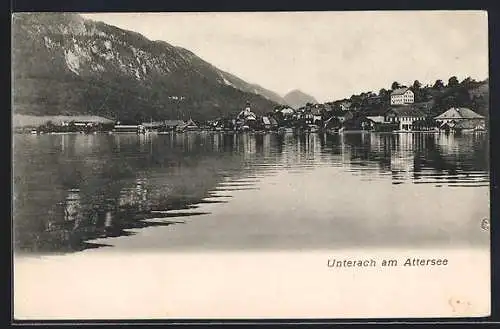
(250, 165)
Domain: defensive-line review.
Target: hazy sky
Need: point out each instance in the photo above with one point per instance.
(329, 55)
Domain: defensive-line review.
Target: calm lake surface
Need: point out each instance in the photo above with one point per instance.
(203, 191)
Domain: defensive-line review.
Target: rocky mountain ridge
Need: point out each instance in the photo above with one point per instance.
(64, 64)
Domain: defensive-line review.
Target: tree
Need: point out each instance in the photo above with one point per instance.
(480, 103)
(438, 84)
(418, 91)
(383, 93)
(453, 82)
(468, 83)
(395, 85)
(455, 97)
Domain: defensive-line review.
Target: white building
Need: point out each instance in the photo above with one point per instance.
(405, 116)
(247, 114)
(376, 118)
(345, 106)
(287, 111)
(402, 96)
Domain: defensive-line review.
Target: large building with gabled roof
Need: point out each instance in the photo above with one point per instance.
(405, 116)
(456, 114)
(460, 118)
(402, 96)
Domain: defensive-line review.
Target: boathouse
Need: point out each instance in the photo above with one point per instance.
(189, 125)
(460, 114)
(119, 128)
(171, 125)
(463, 126)
(154, 125)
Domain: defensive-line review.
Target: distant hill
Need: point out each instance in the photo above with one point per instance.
(64, 64)
(240, 84)
(297, 99)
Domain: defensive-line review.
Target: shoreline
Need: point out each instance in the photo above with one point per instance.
(255, 132)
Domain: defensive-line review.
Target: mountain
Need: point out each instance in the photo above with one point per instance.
(64, 64)
(240, 84)
(297, 99)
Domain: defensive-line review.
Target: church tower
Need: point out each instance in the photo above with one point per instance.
(247, 108)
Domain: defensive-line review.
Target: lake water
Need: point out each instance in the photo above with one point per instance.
(213, 191)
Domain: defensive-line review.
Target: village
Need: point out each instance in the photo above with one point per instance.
(402, 114)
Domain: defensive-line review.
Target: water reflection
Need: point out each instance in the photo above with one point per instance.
(103, 185)
(410, 157)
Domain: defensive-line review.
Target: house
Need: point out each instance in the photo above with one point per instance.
(376, 115)
(188, 125)
(405, 116)
(461, 114)
(119, 128)
(345, 106)
(287, 111)
(358, 122)
(402, 96)
(247, 114)
(250, 116)
(266, 123)
(306, 115)
(83, 124)
(376, 118)
(299, 114)
(374, 100)
(171, 125)
(332, 123)
(216, 124)
(153, 125)
(246, 119)
(226, 123)
(274, 123)
(317, 115)
(342, 117)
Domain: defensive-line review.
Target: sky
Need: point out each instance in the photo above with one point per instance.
(329, 55)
